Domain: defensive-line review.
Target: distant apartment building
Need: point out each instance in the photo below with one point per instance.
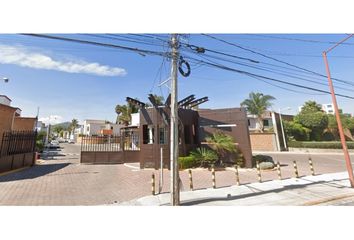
(328, 108)
(100, 127)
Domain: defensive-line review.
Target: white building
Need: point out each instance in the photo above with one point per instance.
(328, 108)
(100, 127)
(5, 100)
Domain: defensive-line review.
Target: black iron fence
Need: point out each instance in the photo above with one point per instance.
(17, 142)
(125, 142)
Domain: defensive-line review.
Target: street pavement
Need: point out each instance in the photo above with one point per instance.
(324, 189)
(60, 179)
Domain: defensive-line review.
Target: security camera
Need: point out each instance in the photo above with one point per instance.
(6, 79)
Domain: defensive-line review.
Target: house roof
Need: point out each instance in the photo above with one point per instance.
(5, 97)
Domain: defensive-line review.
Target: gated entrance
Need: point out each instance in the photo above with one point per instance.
(111, 149)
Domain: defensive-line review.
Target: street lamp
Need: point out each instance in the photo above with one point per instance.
(5, 79)
(282, 127)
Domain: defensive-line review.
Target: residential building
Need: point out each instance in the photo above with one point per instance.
(328, 108)
(272, 137)
(100, 127)
(147, 138)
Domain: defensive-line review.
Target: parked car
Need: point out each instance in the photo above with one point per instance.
(71, 141)
(53, 144)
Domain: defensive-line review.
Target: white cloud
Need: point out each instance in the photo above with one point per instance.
(26, 58)
(52, 119)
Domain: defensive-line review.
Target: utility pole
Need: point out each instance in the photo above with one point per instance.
(174, 187)
(336, 112)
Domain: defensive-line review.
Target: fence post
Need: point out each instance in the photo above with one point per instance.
(311, 167)
(278, 170)
(295, 169)
(153, 184)
(259, 172)
(190, 179)
(213, 176)
(237, 175)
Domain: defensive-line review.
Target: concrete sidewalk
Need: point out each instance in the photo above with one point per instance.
(309, 190)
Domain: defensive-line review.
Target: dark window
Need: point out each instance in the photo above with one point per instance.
(112, 128)
(266, 123)
(249, 122)
(162, 135)
(145, 134)
(187, 134)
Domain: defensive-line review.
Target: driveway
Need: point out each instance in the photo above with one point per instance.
(61, 180)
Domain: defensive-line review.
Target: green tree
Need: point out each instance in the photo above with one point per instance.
(222, 144)
(296, 131)
(311, 107)
(313, 118)
(257, 104)
(73, 125)
(124, 113)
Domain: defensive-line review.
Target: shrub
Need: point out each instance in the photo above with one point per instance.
(266, 165)
(261, 159)
(188, 162)
(204, 156)
(326, 145)
(296, 131)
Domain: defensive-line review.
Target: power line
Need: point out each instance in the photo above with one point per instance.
(268, 78)
(297, 39)
(274, 59)
(137, 50)
(279, 72)
(122, 39)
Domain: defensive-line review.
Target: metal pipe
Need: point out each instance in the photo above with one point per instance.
(213, 177)
(190, 179)
(295, 170)
(259, 172)
(279, 171)
(311, 167)
(339, 122)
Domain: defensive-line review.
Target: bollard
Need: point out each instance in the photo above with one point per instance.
(213, 176)
(259, 172)
(237, 175)
(153, 184)
(190, 179)
(278, 170)
(311, 167)
(295, 169)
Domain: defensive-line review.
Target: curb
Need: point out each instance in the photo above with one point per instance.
(326, 200)
(13, 171)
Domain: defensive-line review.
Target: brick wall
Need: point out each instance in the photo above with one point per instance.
(263, 142)
(6, 116)
(24, 124)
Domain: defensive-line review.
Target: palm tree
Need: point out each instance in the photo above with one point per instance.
(257, 104)
(221, 143)
(74, 124)
(124, 113)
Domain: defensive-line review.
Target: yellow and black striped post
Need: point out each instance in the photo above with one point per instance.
(259, 172)
(237, 175)
(190, 179)
(311, 167)
(278, 170)
(153, 184)
(213, 176)
(295, 169)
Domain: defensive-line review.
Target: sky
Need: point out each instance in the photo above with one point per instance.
(69, 80)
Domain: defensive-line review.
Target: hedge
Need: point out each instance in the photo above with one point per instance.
(326, 145)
